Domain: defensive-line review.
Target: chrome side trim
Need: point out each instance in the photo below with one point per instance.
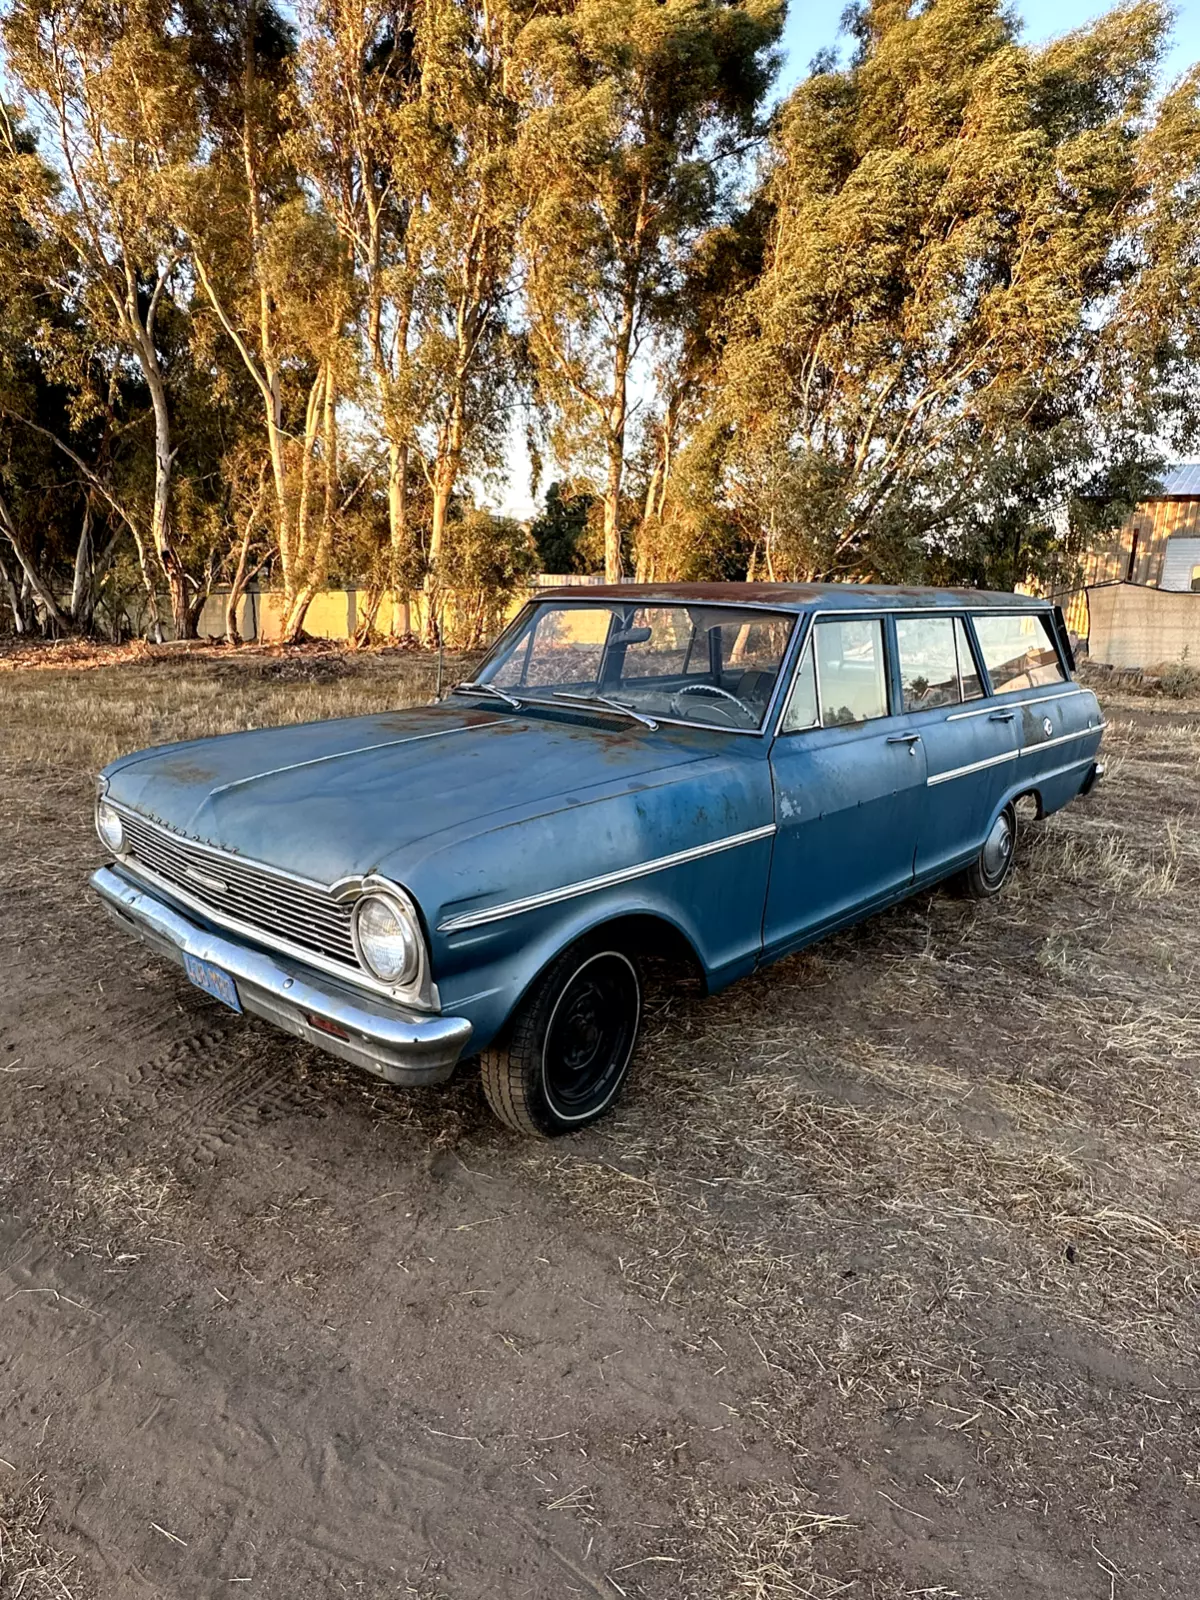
(607, 880)
(996, 703)
(1063, 738)
(1013, 755)
(974, 766)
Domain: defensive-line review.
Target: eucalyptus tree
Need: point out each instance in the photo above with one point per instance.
(361, 136)
(408, 127)
(638, 113)
(104, 85)
(969, 289)
(273, 273)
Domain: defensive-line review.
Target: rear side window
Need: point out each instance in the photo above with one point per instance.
(928, 662)
(936, 664)
(851, 671)
(1018, 651)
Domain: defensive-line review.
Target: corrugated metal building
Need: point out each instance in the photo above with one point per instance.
(1159, 543)
(1157, 547)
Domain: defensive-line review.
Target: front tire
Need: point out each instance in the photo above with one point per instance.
(565, 1056)
(989, 872)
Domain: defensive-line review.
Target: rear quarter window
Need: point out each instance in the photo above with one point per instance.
(1018, 651)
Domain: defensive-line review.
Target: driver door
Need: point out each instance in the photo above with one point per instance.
(849, 776)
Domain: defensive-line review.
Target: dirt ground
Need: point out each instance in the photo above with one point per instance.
(882, 1282)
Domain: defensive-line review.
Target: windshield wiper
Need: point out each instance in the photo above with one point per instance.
(470, 686)
(607, 703)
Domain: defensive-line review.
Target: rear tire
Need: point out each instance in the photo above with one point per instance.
(565, 1055)
(990, 870)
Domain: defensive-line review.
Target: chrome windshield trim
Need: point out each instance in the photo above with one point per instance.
(607, 880)
(794, 616)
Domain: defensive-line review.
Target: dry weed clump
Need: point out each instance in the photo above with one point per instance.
(768, 1540)
(130, 1198)
(30, 1567)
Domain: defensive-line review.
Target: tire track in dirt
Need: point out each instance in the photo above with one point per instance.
(298, 1484)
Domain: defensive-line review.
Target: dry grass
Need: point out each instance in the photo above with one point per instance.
(30, 1567)
(81, 717)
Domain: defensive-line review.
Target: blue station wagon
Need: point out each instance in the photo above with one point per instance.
(722, 773)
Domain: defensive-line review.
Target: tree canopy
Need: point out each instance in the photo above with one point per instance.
(277, 288)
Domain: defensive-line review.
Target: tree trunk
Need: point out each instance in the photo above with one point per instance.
(443, 488)
(238, 587)
(38, 587)
(316, 556)
(397, 521)
(612, 508)
(20, 622)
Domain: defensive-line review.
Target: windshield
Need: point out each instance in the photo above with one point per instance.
(709, 664)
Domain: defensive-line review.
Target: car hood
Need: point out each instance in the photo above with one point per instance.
(330, 799)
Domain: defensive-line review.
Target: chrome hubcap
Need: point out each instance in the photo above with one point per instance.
(998, 849)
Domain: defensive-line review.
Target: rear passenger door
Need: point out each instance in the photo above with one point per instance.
(970, 744)
(849, 776)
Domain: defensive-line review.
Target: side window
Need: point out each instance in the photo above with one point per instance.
(851, 670)
(802, 702)
(1018, 651)
(928, 662)
(968, 672)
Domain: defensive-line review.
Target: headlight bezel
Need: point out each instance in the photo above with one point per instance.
(106, 812)
(408, 976)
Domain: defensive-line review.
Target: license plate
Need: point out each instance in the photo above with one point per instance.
(213, 981)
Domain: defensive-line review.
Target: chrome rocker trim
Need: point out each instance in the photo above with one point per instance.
(394, 1042)
(551, 897)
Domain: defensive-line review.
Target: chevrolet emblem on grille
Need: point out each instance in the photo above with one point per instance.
(206, 880)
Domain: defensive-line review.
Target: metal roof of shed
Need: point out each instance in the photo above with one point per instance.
(1182, 482)
(798, 596)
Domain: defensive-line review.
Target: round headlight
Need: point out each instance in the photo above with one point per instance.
(386, 939)
(108, 826)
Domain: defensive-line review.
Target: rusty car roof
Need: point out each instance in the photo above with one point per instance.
(797, 596)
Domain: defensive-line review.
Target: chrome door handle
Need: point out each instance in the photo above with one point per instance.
(1002, 716)
(904, 738)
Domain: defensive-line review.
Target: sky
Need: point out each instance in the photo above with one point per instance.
(812, 25)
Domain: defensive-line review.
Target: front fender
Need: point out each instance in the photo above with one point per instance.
(693, 852)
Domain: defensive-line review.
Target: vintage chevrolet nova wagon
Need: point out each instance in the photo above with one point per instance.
(721, 773)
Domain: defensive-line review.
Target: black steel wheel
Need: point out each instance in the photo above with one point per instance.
(567, 1051)
(988, 873)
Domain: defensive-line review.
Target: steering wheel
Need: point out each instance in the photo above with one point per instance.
(717, 692)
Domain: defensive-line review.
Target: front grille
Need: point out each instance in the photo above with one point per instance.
(301, 914)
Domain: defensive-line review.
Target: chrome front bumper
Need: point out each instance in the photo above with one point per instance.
(401, 1045)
